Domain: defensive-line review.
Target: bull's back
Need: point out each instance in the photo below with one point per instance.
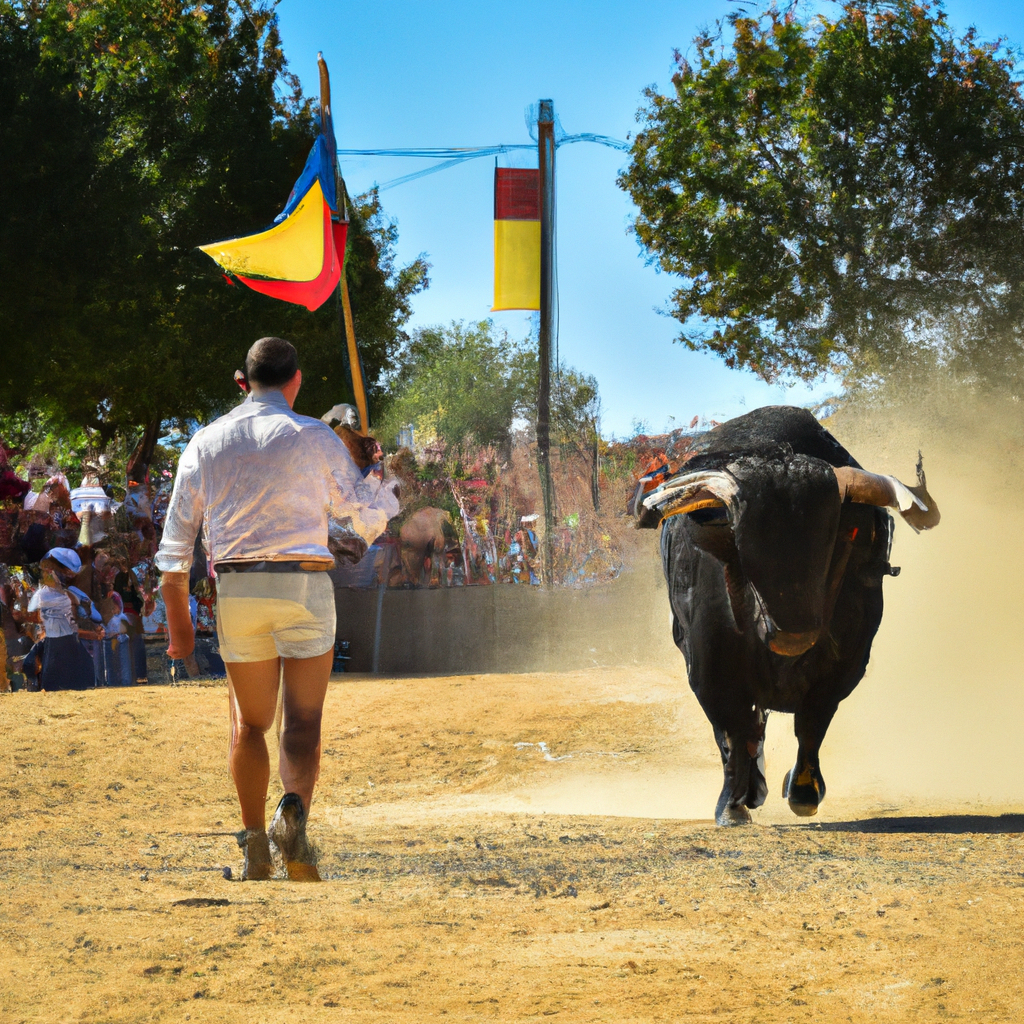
(768, 430)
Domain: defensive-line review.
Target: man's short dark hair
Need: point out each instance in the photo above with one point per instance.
(271, 362)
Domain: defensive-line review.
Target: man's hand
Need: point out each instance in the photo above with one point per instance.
(348, 550)
(174, 588)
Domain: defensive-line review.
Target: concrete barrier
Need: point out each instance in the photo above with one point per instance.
(506, 628)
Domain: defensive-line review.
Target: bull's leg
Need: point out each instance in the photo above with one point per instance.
(744, 786)
(804, 785)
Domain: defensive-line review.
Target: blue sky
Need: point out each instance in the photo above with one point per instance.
(458, 73)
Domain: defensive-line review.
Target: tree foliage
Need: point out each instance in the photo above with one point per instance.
(460, 385)
(840, 195)
(464, 385)
(132, 131)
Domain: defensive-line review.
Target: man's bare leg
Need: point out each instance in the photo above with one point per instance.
(252, 689)
(305, 687)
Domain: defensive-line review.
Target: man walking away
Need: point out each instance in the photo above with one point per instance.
(265, 484)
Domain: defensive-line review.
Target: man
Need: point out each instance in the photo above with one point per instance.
(265, 484)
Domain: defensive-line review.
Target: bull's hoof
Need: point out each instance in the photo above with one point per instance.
(804, 791)
(729, 816)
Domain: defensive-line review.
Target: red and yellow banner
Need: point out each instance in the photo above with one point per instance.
(516, 238)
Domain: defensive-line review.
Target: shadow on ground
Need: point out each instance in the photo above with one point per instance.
(948, 824)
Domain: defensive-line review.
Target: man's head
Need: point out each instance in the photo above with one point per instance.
(273, 364)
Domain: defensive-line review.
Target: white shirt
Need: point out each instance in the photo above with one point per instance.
(55, 608)
(116, 624)
(157, 619)
(266, 483)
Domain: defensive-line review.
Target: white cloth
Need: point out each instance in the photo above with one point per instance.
(86, 610)
(116, 624)
(36, 501)
(264, 615)
(89, 499)
(905, 498)
(55, 608)
(264, 483)
(157, 619)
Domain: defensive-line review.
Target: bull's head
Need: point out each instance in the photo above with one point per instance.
(773, 524)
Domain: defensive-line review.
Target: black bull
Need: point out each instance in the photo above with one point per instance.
(775, 544)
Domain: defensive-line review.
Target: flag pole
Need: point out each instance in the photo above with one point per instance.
(355, 366)
(546, 163)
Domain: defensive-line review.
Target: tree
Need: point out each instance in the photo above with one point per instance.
(130, 132)
(840, 195)
(461, 385)
(464, 386)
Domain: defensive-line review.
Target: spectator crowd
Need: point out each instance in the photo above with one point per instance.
(80, 604)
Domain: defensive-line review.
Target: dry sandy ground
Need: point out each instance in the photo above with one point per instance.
(472, 874)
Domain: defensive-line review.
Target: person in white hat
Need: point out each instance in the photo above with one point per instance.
(269, 488)
(65, 663)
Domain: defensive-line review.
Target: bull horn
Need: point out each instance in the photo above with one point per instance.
(689, 491)
(915, 504)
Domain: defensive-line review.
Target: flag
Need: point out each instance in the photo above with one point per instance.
(516, 238)
(299, 258)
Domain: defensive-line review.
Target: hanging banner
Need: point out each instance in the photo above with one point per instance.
(516, 238)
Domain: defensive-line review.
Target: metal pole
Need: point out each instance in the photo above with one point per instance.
(546, 163)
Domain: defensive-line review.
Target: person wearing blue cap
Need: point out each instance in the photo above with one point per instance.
(64, 664)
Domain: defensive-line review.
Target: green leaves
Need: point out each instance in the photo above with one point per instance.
(838, 195)
(132, 131)
(460, 385)
(463, 386)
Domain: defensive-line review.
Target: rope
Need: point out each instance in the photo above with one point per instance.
(449, 157)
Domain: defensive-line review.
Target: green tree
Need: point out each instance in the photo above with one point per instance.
(132, 131)
(459, 384)
(465, 386)
(840, 195)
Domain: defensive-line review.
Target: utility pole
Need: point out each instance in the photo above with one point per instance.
(546, 163)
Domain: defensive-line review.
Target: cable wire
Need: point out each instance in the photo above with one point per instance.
(452, 156)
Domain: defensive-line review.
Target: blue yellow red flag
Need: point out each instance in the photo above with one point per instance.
(300, 256)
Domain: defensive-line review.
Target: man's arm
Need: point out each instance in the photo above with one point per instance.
(174, 588)
(367, 501)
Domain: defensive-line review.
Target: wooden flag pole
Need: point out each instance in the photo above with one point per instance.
(354, 364)
(546, 163)
(353, 355)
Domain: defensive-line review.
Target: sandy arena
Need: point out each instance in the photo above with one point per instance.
(516, 847)
(472, 877)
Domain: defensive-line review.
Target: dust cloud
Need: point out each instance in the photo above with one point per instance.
(936, 720)
(933, 726)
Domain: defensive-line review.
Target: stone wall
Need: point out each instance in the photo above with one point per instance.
(505, 628)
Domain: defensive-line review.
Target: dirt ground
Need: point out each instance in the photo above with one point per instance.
(493, 847)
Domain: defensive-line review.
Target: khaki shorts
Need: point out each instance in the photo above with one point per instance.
(264, 615)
